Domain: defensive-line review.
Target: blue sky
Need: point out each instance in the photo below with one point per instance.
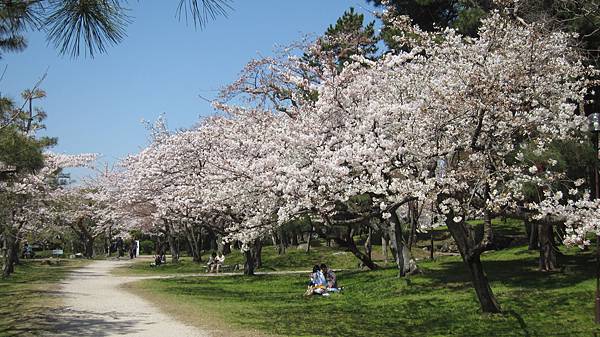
(96, 105)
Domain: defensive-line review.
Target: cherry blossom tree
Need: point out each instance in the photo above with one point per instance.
(27, 198)
(442, 124)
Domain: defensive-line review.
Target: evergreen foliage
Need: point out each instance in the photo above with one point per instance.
(84, 26)
(349, 36)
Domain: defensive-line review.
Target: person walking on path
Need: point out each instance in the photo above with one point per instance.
(119, 247)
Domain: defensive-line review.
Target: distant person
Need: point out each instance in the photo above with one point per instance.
(215, 262)
(134, 248)
(119, 247)
(161, 252)
(220, 261)
(330, 278)
(212, 262)
(157, 260)
(27, 251)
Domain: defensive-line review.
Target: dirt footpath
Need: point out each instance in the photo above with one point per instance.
(97, 305)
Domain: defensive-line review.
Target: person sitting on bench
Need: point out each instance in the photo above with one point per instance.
(215, 262)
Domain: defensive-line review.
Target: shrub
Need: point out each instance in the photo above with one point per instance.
(147, 247)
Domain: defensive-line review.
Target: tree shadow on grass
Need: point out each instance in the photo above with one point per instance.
(63, 321)
(439, 302)
(522, 273)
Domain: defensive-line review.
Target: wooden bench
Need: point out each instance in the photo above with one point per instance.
(224, 268)
(57, 252)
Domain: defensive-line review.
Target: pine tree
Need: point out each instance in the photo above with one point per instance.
(88, 26)
(349, 37)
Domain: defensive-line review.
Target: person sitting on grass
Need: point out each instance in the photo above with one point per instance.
(159, 258)
(330, 278)
(317, 284)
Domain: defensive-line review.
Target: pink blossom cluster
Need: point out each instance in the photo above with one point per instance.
(444, 122)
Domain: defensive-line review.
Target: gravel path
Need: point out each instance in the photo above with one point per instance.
(97, 305)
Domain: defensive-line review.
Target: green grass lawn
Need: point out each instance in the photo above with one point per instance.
(439, 302)
(28, 297)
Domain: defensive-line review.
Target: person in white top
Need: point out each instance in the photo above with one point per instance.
(220, 259)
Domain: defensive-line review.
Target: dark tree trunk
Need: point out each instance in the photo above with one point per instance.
(486, 297)
(310, 234)
(413, 208)
(281, 249)
(384, 246)
(365, 259)
(212, 240)
(224, 247)
(158, 246)
(16, 251)
(214, 246)
(88, 243)
(258, 253)
(431, 246)
(547, 247)
(532, 234)
(108, 241)
(286, 239)
(249, 263)
(368, 245)
(470, 249)
(10, 255)
(253, 257)
(400, 251)
(194, 239)
(274, 239)
(172, 244)
(294, 237)
(393, 228)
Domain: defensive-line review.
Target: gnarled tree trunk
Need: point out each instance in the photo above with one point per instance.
(348, 241)
(253, 257)
(224, 247)
(402, 255)
(364, 258)
(384, 246)
(258, 253)
(249, 262)
(11, 253)
(282, 245)
(310, 234)
(194, 239)
(414, 214)
(88, 244)
(486, 297)
(532, 234)
(547, 247)
(470, 249)
(172, 244)
(368, 245)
